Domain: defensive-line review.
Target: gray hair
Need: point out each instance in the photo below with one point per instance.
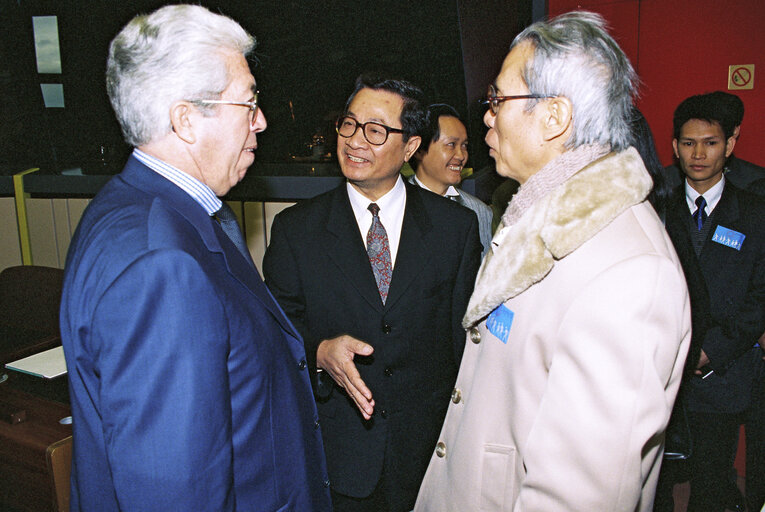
(175, 53)
(575, 57)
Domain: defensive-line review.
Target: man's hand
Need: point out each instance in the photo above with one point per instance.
(703, 361)
(335, 356)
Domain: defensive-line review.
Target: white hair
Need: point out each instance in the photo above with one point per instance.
(575, 57)
(178, 52)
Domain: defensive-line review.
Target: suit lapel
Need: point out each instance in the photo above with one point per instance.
(212, 235)
(677, 222)
(725, 214)
(346, 248)
(412, 249)
(248, 275)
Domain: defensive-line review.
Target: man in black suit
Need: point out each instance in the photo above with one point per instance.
(376, 276)
(723, 226)
(739, 172)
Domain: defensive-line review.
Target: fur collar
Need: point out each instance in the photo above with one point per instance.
(558, 223)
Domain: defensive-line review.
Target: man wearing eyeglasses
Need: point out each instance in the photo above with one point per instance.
(579, 322)
(188, 384)
(376, 275)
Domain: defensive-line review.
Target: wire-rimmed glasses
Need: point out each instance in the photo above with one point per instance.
(493, 99)
(252, 105)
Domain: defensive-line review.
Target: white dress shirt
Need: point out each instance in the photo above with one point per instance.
(711, 196)
(392, 206)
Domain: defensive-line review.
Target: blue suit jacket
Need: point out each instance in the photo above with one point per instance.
(189, 386)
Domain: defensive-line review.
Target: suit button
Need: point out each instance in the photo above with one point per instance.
(326, 482)
(475, 336)
(441, 449)
(386, 329)
(316, 424)
(384, 413)
(388, 372)
(456, 395)
(302, 364)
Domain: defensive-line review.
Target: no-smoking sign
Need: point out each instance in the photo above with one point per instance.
(741, 76)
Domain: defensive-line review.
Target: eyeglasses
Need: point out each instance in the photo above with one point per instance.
(493, 100)
(375, 133)
(252, 105)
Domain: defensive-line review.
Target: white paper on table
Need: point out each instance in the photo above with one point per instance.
(47, 364)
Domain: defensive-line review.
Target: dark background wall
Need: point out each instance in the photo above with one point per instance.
(308, 56)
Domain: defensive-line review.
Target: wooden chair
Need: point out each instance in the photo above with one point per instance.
(59, 459)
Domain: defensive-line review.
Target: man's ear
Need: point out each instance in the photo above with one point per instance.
(558, 115)
(181, 121)
(674, 147)
(411, 146)
(729, 145)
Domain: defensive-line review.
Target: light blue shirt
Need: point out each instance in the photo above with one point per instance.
(200, 192)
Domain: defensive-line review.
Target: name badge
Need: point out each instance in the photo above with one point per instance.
(499, 322)
(728, 237)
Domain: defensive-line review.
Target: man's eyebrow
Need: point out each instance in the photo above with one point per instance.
(373, 119)
(710, 137)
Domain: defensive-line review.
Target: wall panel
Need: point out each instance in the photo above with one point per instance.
(683, 48)
(10, 248)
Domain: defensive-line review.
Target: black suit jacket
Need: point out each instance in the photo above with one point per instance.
(318, 269)
(727, 288)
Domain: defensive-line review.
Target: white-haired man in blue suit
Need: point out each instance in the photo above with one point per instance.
(176, 351)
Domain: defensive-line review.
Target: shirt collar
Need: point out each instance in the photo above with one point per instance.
(451, 192)
(387, 203)
(711, 196)
(200, 192)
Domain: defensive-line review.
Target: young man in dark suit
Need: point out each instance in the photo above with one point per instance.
(739, 172)
(376, 276)
(723, 225)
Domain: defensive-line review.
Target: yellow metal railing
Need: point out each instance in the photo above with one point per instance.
(21, 214)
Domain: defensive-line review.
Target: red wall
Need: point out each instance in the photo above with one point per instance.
(684, 47)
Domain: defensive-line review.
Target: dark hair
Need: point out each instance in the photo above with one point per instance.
(732, 103)
(706, 107)
(413, 114)
(432, 130)
(642, 140)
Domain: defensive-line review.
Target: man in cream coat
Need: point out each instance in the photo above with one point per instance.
(579, 324)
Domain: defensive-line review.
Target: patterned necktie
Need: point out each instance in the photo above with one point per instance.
(378, 250)
(700, 215)
(227, 220)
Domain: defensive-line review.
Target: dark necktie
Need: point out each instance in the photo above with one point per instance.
(700, 215)
(378, 250)
(227, 220)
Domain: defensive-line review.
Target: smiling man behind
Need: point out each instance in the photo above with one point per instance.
(376, 275)
(440, 160)
(176, 352)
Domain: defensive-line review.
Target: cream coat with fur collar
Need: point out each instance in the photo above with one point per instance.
(568, 412)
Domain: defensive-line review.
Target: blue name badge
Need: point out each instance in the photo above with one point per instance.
(499, 322)
(728, 237)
